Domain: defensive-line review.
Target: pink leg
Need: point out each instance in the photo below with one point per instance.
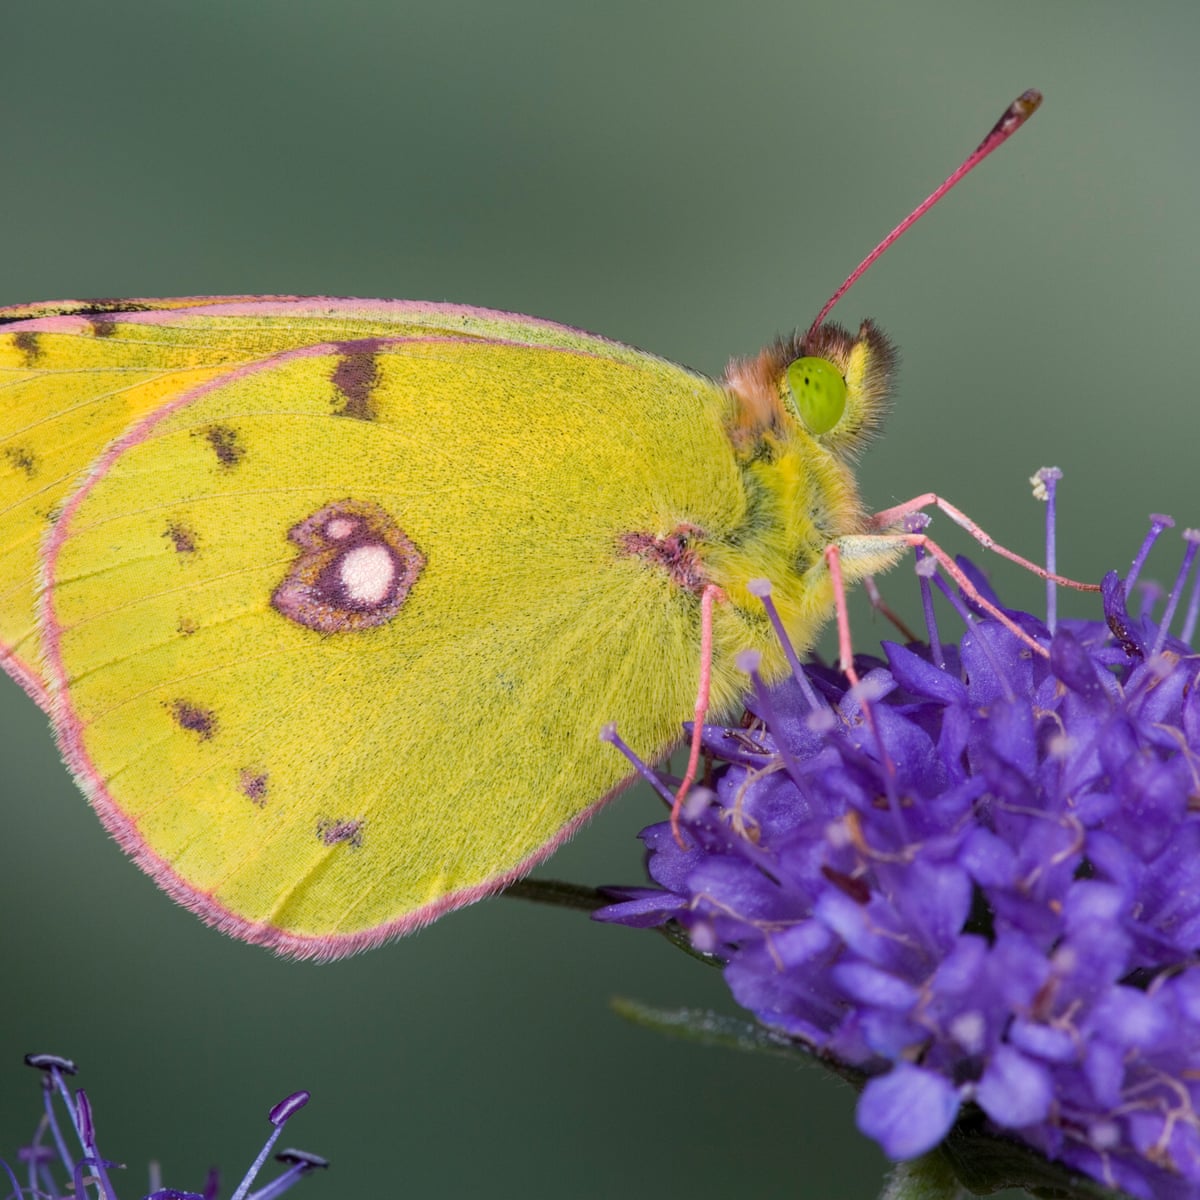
(833, 560)
(708, 598)
(890, 517)
(968, 588)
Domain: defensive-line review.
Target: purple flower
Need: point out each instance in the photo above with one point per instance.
(974, 880)
(87, 1173)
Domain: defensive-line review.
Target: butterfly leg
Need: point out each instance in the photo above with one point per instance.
(881, 542)
(708, 598)
(891, 517)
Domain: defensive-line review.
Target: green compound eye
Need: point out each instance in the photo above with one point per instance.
(819, 390)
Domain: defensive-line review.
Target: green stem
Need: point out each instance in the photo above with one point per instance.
(557, 893)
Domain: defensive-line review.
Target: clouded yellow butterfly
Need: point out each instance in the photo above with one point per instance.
(329, 600)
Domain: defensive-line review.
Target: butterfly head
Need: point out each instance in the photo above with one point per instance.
(826, 383)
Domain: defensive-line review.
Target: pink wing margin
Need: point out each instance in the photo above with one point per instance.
(71, 316)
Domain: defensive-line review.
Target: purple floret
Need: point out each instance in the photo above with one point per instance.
(55, 1172)
(975, 880)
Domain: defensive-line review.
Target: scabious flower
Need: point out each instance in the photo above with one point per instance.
(973, 879)
(88, 1173)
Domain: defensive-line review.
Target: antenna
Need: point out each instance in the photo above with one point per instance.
(1017, 113)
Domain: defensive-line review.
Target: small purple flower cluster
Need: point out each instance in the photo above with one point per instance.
(88, 1173)
(974, 879)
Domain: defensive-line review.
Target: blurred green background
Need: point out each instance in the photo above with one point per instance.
(692, 178)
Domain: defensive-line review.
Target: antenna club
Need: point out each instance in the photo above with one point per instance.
(1024, 106)
(1017, 113)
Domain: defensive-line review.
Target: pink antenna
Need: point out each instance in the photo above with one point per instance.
(1021, 109)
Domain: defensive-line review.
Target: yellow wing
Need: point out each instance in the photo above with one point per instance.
(327, 672)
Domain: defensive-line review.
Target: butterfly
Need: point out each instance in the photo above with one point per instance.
(329, 600)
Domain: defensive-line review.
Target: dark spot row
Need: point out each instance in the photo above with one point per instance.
(254, 782)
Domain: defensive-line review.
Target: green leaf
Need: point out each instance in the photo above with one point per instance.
(707, 1028)
(985, 1163)
(927, 1178)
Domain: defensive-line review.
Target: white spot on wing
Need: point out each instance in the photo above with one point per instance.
(367, 573)
(340, 528)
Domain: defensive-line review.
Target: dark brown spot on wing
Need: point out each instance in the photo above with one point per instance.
(23, 459)
(355, 378)
(72, 308)
(181, 537)
(101, 306)
(102, 326)
(253, 785)
(187, 626)
(29, 344)
(225, 445)
(340, 832)
(195, 719)
(354, 571)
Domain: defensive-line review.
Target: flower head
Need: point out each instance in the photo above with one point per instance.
(974, 879)
(87, 1173)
